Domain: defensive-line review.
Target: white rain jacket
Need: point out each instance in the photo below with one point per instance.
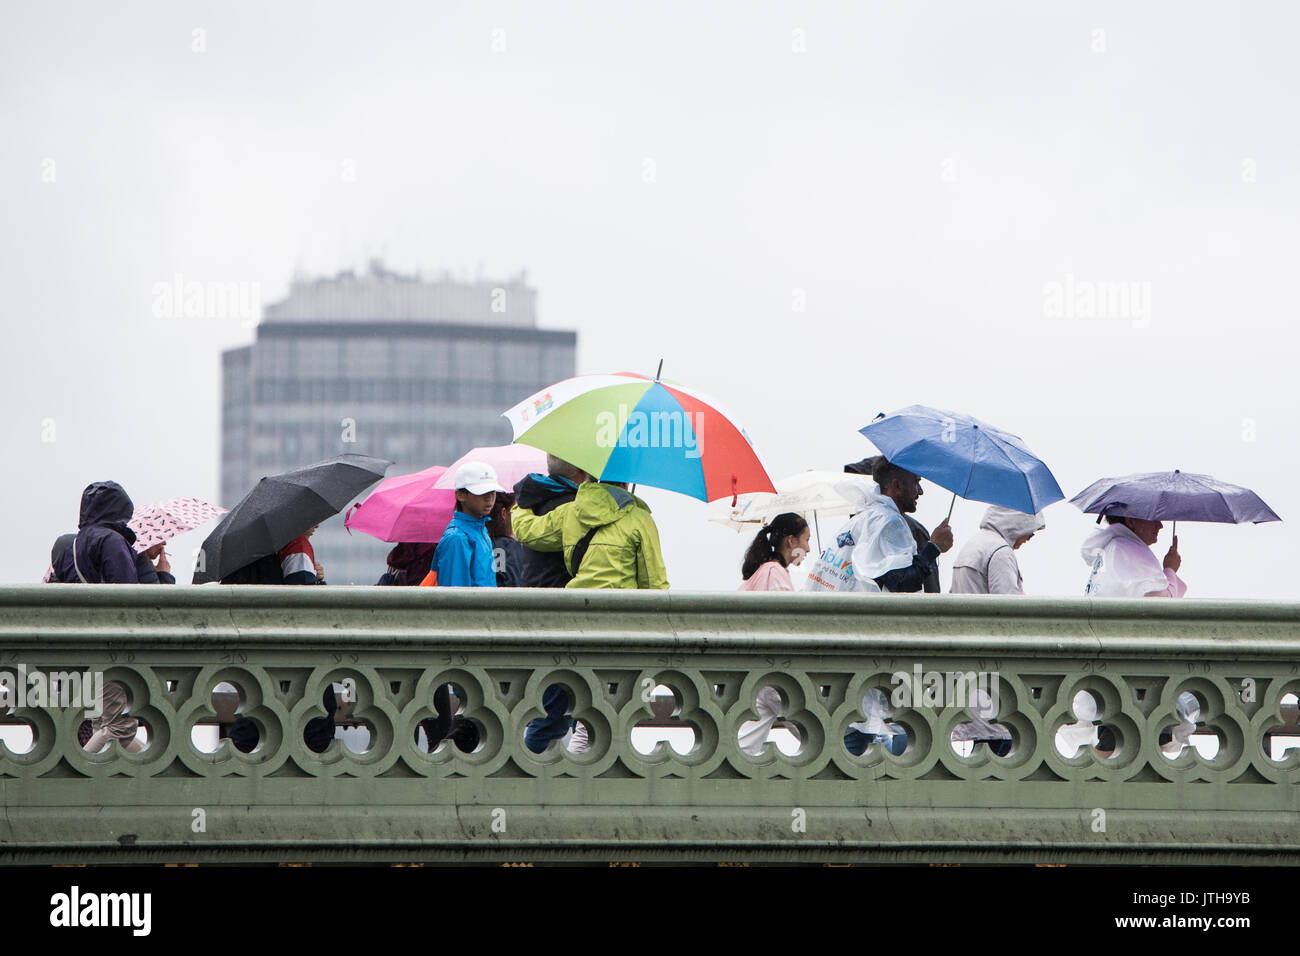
(876, 540)
(1123, 566)
(987, 564)
(885, 543)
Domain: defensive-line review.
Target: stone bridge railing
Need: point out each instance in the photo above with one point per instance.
(1174, 712)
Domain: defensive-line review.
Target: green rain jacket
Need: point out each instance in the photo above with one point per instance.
(624, 550)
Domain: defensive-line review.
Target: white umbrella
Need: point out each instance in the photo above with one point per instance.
(815, 492)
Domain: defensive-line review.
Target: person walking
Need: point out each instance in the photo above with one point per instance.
(298, 564)
(100, 552)
(610, 540)
(464, 557)
(919, 532)
(876, 551)
(507, 553)
(1123, 564)
(408, 563)
(781, 543)
(987, 564)
(536, 497)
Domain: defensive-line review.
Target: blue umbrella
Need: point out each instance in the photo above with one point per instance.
(1173, 496)
(965, 456)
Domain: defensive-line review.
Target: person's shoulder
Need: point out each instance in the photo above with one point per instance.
(296, 546)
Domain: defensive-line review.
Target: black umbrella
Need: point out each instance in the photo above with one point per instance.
(282, 507)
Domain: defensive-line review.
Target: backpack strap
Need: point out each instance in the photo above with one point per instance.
(989, 563)
(75, 566)
(580, 552)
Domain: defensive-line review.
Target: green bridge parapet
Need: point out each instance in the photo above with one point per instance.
(1142, 792)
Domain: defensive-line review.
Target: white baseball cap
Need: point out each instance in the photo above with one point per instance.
(476, 477)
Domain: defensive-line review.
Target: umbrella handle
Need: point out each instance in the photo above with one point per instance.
(951, 504)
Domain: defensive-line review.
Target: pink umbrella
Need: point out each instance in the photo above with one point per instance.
(511, 463)
(405, 508)
(164, 520)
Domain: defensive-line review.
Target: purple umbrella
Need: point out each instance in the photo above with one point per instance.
(1173, 496)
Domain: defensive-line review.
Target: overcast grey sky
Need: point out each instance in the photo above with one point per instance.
(919, 173)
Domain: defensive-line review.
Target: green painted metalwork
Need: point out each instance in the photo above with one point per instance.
(283, 802)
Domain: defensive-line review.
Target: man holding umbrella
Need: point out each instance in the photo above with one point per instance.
(876, 550)
(922, 537)
(888, 552)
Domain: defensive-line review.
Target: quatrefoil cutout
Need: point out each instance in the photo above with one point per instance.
(982, 727)
(875, 728)
(771, 725)
(665, 725)
(1285, 736)
(558, 724)
(118, 720)
(450, 727)
(1188, 709)
(1072, 738)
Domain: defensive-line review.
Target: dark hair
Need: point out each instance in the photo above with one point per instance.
(883, 472)
(764, 548)
(498, 517)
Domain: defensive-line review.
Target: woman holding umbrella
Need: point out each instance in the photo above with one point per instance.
(1123, 564)
(1134, 506)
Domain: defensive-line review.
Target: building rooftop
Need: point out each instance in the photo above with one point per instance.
(379, 294)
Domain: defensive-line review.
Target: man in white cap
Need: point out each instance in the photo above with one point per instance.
(464, 555)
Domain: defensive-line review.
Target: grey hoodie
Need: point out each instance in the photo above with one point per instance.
(987, 564)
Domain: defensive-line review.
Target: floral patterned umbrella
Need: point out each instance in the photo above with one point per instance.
(163, 520)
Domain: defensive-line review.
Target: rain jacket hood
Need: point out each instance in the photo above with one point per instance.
(987, 564)
(1010, 525)
(1097, 541)
(101, 550)
(598, 505)
(535, 489)
(1124, 566)
(107, 503)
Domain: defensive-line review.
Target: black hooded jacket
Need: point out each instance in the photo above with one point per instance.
(542, 494)
(102, 548)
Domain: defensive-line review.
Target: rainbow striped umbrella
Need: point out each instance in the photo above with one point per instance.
(626, 427)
